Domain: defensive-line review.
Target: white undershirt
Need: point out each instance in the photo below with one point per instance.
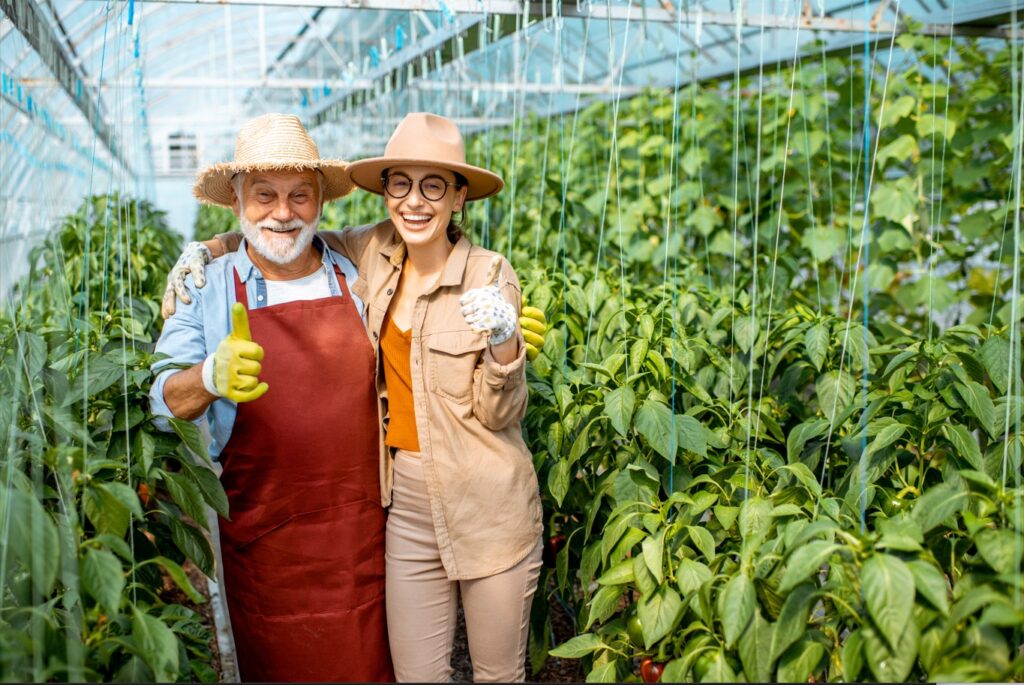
(311, 287)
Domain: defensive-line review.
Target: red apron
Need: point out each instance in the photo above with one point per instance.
(304, 549)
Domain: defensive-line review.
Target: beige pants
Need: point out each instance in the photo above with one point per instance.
(422, 602)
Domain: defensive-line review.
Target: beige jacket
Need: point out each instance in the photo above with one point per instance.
(480, 477)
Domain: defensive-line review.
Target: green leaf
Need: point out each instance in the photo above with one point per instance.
(156, 644)
(618, 407)
(210, 487)
(901, 149)
(805, 561)
(897, 109)
(691, 434)
(816, 344)
(653, 548)
(642, 576)
(937, 504)
(691, 575)
(755, 518)
(885, 437)
(603, 604)
(792, 623)
(193, 439)
(180, 578)
(966, 445)
(106, 512)
(852, 656)
(995, 357)
(103, 372)
(835, 392)
(193, 544)
(659, 612)
(618, 574)
(806, 478)
(745, 330)
(1000, 549)
(888, 589)
(103, 578)
(930, 583)
(558, 480)
(603, 673)
(887, 664)
(980, 403)
(928, 124)
(186, 495)
(737, 607)
(755, 649)
(705, 219)
(703, 541)
(800, 661)
(30, 537)
(579, 646)
(799, 436)
(823, 242)
(654, 422)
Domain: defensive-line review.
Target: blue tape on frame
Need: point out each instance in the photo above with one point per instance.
(399, 38)
(131, 13)
(374, 57)
(79, 87)
(136, 46)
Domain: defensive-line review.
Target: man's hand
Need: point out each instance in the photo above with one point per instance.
(534, 325)
(236, 362)
(193, 260)
(486, 311)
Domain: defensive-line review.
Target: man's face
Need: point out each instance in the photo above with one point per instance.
(279, 212)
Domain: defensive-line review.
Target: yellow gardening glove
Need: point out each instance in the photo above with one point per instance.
(534, 325)
(236, 363)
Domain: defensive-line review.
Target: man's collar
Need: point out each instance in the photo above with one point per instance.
(245, 268)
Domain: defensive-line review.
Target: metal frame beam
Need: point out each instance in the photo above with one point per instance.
(31, 23)
(571, 9)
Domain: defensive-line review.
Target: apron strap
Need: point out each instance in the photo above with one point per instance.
(240, 294)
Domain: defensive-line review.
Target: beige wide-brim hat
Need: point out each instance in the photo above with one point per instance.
(423, 139)
(272, 142)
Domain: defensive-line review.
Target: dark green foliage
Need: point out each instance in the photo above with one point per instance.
(94, 531)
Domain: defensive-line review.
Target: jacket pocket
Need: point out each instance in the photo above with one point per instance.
(453, 358)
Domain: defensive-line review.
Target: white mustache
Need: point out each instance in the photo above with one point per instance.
(281, 226)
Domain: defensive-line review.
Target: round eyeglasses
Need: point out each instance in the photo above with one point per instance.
(432, 188)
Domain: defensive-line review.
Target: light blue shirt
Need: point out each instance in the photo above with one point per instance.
(195, 330)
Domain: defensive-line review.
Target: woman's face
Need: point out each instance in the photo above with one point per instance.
(428, 199)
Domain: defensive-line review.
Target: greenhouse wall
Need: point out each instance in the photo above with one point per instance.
(762, 411)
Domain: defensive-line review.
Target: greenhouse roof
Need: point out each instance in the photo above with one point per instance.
(173, 79)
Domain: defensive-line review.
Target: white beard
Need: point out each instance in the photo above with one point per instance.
(279, 249)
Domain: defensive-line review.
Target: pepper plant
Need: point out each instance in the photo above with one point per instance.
(99, 510)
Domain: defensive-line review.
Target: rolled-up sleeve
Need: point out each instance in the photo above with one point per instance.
(182, 343)
(500, 390)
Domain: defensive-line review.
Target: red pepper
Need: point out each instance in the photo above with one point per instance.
(651, 670)
(552, 547)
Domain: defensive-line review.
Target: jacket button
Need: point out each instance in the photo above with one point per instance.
(390, 291)
(375, 335)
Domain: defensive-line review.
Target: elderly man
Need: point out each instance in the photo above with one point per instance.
(279, 363)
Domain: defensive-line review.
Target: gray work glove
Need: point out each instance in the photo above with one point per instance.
(193, 260)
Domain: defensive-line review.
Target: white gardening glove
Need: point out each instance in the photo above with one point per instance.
(487, 311)
(193, 260)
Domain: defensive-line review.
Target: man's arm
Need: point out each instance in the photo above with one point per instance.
(185, 394)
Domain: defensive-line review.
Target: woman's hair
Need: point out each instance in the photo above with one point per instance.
(455, 227)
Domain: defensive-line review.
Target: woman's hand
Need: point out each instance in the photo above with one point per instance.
(193, 260)
(486, 311)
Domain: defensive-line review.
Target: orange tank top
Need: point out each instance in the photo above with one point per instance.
(396, 346)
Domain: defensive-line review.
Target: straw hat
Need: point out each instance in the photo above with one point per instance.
(272, 142)
(423, 139)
